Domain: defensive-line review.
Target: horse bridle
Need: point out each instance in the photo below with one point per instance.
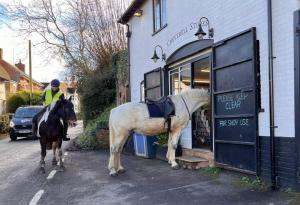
(186, 107)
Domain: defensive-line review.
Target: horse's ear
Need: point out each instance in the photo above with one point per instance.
(70, 98)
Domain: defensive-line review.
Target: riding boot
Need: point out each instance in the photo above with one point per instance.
(34, 130)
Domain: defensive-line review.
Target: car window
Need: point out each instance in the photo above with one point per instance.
(26, 112)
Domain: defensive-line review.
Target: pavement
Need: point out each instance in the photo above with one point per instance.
(86, 181)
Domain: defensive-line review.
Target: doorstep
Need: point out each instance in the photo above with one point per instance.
(190, 162)
(200, 154)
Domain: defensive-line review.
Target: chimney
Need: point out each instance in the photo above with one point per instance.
(21, 66)
(1, 54)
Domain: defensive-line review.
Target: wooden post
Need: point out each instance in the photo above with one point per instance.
(30, 72)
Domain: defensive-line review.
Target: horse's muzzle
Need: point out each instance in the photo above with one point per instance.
(72, 123)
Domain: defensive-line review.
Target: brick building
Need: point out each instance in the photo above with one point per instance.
(12, 79)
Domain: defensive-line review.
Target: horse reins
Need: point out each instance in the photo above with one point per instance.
(186, 107)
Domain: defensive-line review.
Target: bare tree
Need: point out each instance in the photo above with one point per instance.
(84, 32)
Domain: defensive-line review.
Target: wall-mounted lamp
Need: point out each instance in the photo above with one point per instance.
(138, 13)
(155, 56)
(200, 33)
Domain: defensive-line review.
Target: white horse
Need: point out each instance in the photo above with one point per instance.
(134, 116)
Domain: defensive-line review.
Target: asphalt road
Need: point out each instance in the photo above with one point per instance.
(20, 177)
(86, 181)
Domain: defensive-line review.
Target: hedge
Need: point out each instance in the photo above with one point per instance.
(22, 98)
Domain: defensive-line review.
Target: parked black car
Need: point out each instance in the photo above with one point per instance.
(21, 123)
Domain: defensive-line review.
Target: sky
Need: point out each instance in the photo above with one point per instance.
(15, 48)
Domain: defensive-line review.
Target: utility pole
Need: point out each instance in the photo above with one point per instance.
(30, 73)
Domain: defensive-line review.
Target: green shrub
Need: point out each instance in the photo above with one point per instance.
(14, 102)
(88, 140)
(22, 98)
(162, 139)
(97, 92)
(4, 123)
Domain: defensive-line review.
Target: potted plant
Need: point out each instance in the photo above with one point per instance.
(162, 147)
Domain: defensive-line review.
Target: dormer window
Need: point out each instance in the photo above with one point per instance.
(159, 14)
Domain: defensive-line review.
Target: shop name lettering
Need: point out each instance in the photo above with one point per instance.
(232, 101)
(234, 122)
(182, 32)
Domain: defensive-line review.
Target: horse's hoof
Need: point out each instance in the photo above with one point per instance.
(121, 171)
(61, 168)
(176, 167)
(43, 170)
(114, 175)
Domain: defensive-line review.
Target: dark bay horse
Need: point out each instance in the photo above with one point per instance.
(50, 129)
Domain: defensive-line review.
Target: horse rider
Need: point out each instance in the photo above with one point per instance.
(48, 97)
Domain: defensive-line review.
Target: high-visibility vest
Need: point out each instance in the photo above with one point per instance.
(49, 98)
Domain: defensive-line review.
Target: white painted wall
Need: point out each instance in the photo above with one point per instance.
(227, 18)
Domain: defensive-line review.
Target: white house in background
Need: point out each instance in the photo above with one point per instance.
(248, 59)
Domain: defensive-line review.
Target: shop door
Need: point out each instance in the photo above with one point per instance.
(201, 119)
(235, 107)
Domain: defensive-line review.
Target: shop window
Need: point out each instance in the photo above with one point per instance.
(159, 14)
(180, 79)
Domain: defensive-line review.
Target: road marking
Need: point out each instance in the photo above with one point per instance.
(36, 197)
(66, 153)
(51, 175)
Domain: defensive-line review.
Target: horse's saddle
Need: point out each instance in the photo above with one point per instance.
(164, 107)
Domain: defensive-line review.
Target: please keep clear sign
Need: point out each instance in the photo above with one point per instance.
(234, 125)
(234, 103)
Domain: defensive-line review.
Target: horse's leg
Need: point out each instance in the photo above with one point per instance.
(59, 150)
(172, 145)
(54, 161)
(117, 140)
(169, 142)
(43, 154)
(121, 169)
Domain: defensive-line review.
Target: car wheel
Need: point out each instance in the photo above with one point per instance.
(13, 137)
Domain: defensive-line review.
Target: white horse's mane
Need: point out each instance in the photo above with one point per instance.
(192, 92)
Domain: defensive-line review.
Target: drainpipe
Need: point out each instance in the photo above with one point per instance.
(128, 35)
(271, 97)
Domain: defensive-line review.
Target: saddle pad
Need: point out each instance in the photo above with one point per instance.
(154, 111)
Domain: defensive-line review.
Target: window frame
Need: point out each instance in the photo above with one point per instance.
(146, 88)
(163, 23)
(177, 70)
(142, 91)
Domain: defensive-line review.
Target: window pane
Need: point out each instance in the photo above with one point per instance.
(157, 12)
(174, 84)
(164, 12)
(202, 73)
(153, 79)
(153, 94)
(185, 79)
